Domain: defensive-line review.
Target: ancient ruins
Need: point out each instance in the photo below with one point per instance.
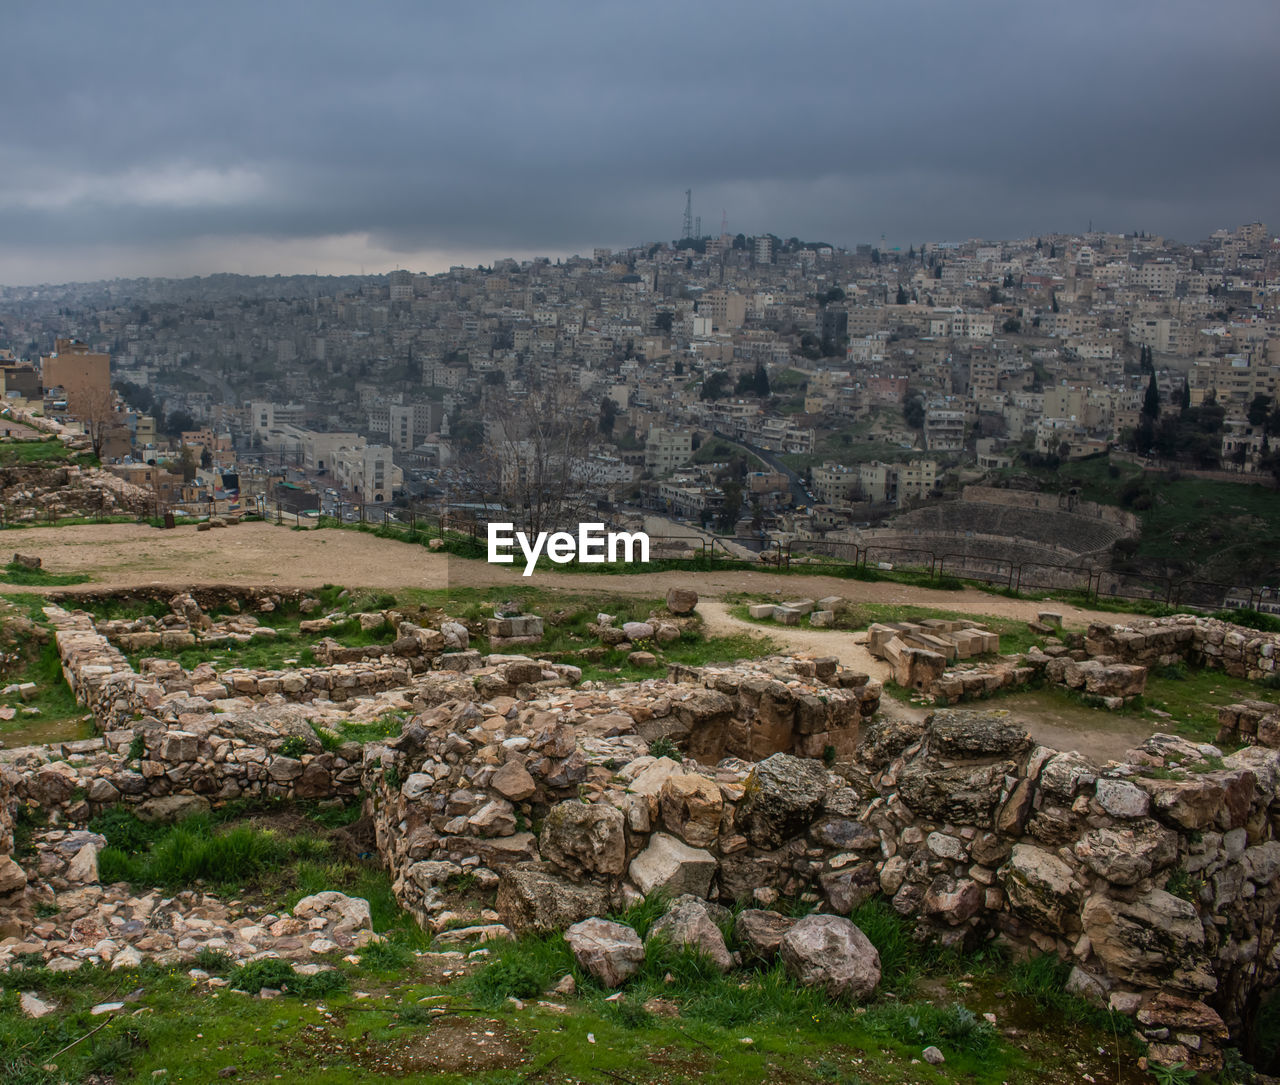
(1158, 878)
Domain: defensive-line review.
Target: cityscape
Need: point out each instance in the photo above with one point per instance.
(771, 391)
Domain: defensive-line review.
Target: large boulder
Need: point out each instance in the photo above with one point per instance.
(1156, 940)
(512, 781)
(882, 740)
(534, 898)
(345, 913)
(1204, 800)
(681, 601)
(582, 838)
(962, 794)
(961, 733)
(1040, 887)
(830, 952)
(691, 806)
(688, 924)
(671, 866)
(13, 879)
(781, 798)
(611, 952)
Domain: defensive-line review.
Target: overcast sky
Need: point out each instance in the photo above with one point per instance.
(172, 138)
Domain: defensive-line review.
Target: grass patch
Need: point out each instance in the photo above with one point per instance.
(229, 851)
(16, 573)
(1043, 981)
(50, 451)
(279, 975)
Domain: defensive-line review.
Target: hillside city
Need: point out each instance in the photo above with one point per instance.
(759, 385)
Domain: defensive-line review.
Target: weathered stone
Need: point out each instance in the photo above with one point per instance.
(958, 733)
(782, 796)
(343, 912)
(830, 952)
(681, 601)
(33, 1006)
(170, 808)
(847, 888)
(610, 952)
(672, 866)
(13, 879)
(534, 899)
(513, 782)
(1122, 799)
(759, 933)
(884, 739)
(963, 794)
(691, 807)
(953, 900)
(1124, 856)
(1156, 940)
(1064, 775)
(688, 924)
(1218, 799)
(1040, 887)
(582, 838)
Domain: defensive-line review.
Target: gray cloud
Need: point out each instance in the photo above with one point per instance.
(558, 126)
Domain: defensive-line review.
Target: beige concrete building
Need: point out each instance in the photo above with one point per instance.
(83, 374)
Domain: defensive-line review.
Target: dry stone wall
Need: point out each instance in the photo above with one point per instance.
(1158, 879)
(1239, 651)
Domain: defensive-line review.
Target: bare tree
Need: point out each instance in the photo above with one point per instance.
(534, 458)
(96, 409)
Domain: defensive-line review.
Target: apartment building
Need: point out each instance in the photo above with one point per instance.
(834, 483)
(665, 449)
(368, 472)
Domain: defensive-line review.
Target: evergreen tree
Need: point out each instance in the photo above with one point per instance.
(1186, 394)
(1151, 401)
(902, 295)
(762, 387)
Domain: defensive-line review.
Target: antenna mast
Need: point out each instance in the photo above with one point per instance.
(687, 230)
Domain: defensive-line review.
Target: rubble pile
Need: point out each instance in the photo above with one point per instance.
(920, 654)
(42, 493)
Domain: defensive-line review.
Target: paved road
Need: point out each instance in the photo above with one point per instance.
(799, 495)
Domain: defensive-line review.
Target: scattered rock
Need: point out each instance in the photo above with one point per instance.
(610, 952)
(830, 952)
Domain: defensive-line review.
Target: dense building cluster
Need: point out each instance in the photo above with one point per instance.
(862, 380)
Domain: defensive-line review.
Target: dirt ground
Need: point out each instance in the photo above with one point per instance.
(262, 555)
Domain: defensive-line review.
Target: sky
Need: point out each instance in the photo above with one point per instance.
(289, 137)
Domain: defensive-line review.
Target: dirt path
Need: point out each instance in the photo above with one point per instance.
(259, 555)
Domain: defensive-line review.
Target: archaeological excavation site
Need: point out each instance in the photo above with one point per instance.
(299, 795)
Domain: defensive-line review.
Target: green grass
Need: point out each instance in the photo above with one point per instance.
(194, 852)
(59, 716)
(747, 1026)
(227, 852)
(50, 451)
(1042, 980)
(1192, 696)
(14, 573)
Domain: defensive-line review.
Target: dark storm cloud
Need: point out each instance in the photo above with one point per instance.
(560, 126)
